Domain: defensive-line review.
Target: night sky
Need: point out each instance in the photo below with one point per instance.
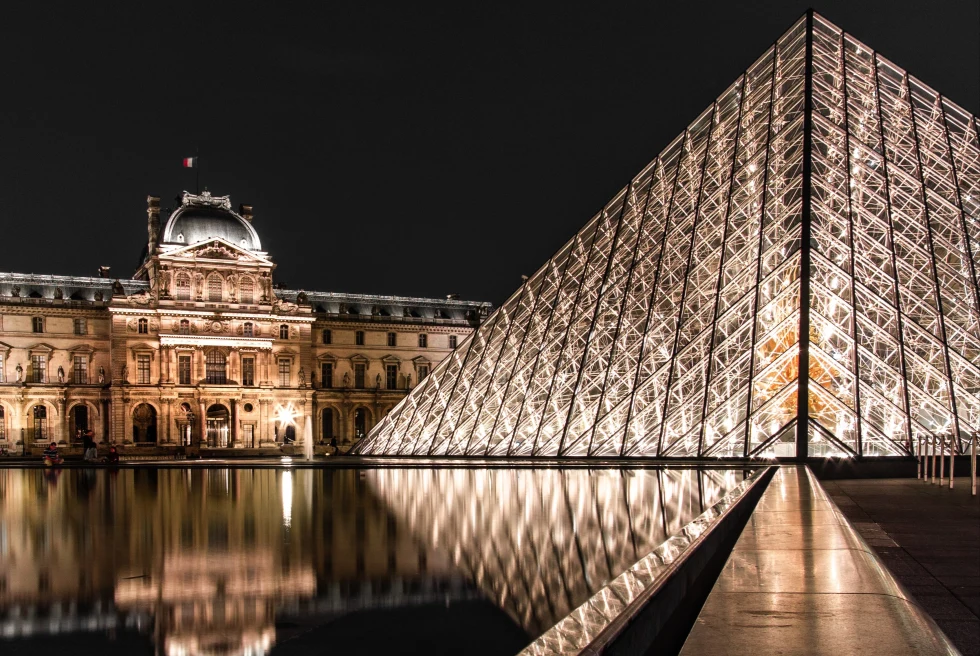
(385, 149)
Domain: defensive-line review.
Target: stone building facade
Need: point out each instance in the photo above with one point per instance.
(201, 349)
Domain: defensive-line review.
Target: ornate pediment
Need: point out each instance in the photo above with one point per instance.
(217, 249)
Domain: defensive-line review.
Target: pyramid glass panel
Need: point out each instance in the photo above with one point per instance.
(810, 242)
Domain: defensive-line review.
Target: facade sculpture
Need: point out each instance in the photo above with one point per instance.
(199, 349)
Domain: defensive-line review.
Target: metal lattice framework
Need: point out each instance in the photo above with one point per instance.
(670, 325)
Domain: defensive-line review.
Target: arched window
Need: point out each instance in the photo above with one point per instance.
(283, 331)
(39, 419)
(143, 326)
(183, 287)
(216, 368)
(360, 423)
(78, 420)
(245, 290)
(214, 287)
(3, 425)
(144, 423)
(185, 327)
(248, 329)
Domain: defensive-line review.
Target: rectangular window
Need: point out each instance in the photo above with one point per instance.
(2, 379)
(185, 327)
(248, 329)
(39, 368)
(143, 326)
(360, 369)
(143, 369)
(283, 331)
(327, 337)
(392, 339)
(423, 340)
(359, 338)
(248, 372)
(183, 370)
(326, 374)
(284, 372)
(452, 341)
(423, 372)
(391, 376)
(79, 370)
(37, 324)
(81, 327)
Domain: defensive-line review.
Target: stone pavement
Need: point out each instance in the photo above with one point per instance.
(929, 537)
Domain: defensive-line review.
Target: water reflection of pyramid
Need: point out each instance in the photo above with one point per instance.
(670, 325)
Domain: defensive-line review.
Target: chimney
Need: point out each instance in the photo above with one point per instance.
(246, 212)
(153, 222)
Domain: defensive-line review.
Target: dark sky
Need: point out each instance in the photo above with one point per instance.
(385, 149)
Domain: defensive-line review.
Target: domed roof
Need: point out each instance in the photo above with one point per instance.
(203, 217)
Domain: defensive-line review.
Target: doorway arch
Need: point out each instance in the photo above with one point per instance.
(218, 425)
(144, 423)
(79, 419)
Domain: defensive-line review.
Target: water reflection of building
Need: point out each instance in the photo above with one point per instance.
(540, 542)
(204, 561)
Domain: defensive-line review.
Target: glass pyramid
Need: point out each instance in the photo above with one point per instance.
(670, 325)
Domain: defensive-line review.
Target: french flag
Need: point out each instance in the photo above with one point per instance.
(190, 162)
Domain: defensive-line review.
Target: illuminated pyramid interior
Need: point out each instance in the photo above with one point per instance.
(671, 324)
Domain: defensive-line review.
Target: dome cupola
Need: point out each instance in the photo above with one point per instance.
(202, 217)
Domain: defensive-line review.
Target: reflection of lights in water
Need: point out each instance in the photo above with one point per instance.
(287, 498)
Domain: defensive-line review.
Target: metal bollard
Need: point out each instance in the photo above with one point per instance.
(918, 457)
(973, 464)
(942, 460)
(952, 450)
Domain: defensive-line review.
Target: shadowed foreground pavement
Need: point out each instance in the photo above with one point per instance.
(929, 537)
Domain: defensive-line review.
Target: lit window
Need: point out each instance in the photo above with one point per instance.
(183, 287)
(37, 324)
(391, 376)
(39, 414)
(216, 368)
(248, 329)
(284, 372)
(143, 369)
(185, 327)
(245, 290)
(183, 370)
(214, 287)
(79, 370)
(81, 326)
(143, 326)
(452, 341)
(248, 372)
(284, 332)
(360, 369)
(392, 339)
(326, 374)
(326, 337)
(423, 340)
(39, 368)
(359, 338)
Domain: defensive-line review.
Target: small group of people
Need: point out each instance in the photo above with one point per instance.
(90, 451)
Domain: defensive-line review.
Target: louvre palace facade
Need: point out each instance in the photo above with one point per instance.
(199, 348)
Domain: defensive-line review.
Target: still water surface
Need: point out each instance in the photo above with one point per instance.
(307, 561)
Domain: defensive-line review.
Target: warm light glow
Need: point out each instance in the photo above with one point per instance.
(285, 415)
(287, 498)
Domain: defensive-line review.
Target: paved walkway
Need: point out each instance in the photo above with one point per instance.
(801, 581)
(929, 537)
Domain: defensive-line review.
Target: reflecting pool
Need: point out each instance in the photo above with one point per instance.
(306, 561)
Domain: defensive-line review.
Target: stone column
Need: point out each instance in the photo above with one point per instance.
(202, 424)
(65, 428)
(165, 352)
(236, 439)
(165, 434)
(105, 420)
(263, 435)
